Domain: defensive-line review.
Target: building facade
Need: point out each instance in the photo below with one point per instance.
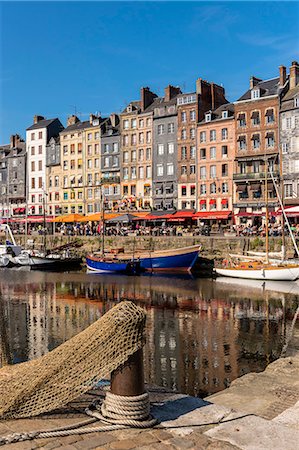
(53, 177)
(257, 149)
(38, 136)
(215, 164)
(165, 150)
(13, 178)
(289, 138)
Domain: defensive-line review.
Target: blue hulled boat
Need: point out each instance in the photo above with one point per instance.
(173, 260)
(100, 264)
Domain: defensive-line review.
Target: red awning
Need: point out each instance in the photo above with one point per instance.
(186, 214)
(212, 215)
(212, 201)
(202, 202)
(248, 214)
(16, 210)
(224, 201)
(22, 210)
(176, 220)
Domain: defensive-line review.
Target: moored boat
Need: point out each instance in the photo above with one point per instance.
(256, 270)
(102, 264)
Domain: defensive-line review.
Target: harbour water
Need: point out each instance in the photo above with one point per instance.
(201, 334)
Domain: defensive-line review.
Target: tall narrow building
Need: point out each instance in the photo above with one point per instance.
(38, 136)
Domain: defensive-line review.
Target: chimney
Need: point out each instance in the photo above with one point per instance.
(294, 74)
(282, 75)
(15, 140)
(254, 81)
(146, 97)
(170, 92)
(114, 119)
(37, 119)
(72, 120)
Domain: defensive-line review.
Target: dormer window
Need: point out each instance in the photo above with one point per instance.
(129, 108)
(208, 117)
(296, 102)
(255, 93)
(224, 114)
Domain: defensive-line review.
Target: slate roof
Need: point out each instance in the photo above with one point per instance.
(77, 126)
(217, 113)
(42, 124)
(267, 87)
(136, 103)
(292, 93)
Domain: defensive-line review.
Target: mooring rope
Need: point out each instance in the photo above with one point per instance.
(119, 412)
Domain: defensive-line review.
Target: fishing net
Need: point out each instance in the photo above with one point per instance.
(62, 375)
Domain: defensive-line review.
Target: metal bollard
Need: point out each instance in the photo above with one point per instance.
(128, 379)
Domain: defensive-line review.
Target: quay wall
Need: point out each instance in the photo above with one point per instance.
(213, 247)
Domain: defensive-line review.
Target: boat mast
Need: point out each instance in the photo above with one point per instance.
(44, 221)
(103, 222)
(267, 210)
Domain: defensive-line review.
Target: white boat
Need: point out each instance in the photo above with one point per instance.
(264, 272)
(8, 247)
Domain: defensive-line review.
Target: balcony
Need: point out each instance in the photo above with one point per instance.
(253, 176)
(110, 180)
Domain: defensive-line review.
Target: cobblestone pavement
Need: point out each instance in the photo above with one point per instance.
(259, 411)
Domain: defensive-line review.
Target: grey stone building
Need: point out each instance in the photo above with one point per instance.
(165, 159)
(13, 178)
(110, 161)
(53, 152)
(289, 138)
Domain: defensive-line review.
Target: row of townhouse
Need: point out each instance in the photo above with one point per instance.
(186, 151)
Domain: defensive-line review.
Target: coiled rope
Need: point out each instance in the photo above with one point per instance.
(118, 411)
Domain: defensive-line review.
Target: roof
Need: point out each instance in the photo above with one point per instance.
(292, 93)
(217, 113)
(267, 87)
(77, 126)
(42, 124)
(136, 103)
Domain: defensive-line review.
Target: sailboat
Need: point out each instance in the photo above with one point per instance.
(102, 262)
(261, 267)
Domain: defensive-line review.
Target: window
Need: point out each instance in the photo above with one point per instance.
(65, 196)
(213, 135)
(125, 140)
(212, 171)
(134, 139)
(89, 193)
(40, 165)
(203, 205)
(148, 122)
(288, 190)
(170, 169)
(148, 153)
(213, 188)
(32, 183)
(202, 136)
(126, 124)
(40, 149)
(192, 115)
(170, 127)
(184, 153)
(40, 182)
(224, 134)
(202, 173)
(141, 123)
(296, 102)
(289, 122)
(65, 181)
(212, 152)
(160, 170)
(32, 136)
(148, 137)
(56, 181)
(148, 171)
(65, 165)
(160, 149)
(184, 191)
(32, 166)
(242, 167)
(192, 133)
(133, 123)
(242, 120)
(125, 173)
(183, 116)
(270, 140)
(183, 170)
(203, 153)
(270, 116)
(133, 156)
(192, 169)
(106, 161)
(242, 143)
(97, 135)
(284, 147)
(203, 189)
(141, 172)
(224, 114)
(40, 135)
(184, 133)
(96, 163)
(224, 151)
(256, 141)
(141, 138)
(89, 136)
(255, 93)
(170, 148)
(80, 147)
(208, 117)
(140, 154)
(126, 157)
(32, 150)
(224, 170)
(65, 149)
(89, 150)
(160, 129)
(256, 166)
(255, 117)
(115, 147)
(193, 152)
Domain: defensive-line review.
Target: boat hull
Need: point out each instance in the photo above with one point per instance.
(54, 264)
(274, 273)
(179, 260)
(96, 265)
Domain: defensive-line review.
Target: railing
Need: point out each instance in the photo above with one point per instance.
(252, 176)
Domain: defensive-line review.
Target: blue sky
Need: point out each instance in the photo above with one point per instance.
(95, 56)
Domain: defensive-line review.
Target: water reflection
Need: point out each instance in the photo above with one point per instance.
(201, 334)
